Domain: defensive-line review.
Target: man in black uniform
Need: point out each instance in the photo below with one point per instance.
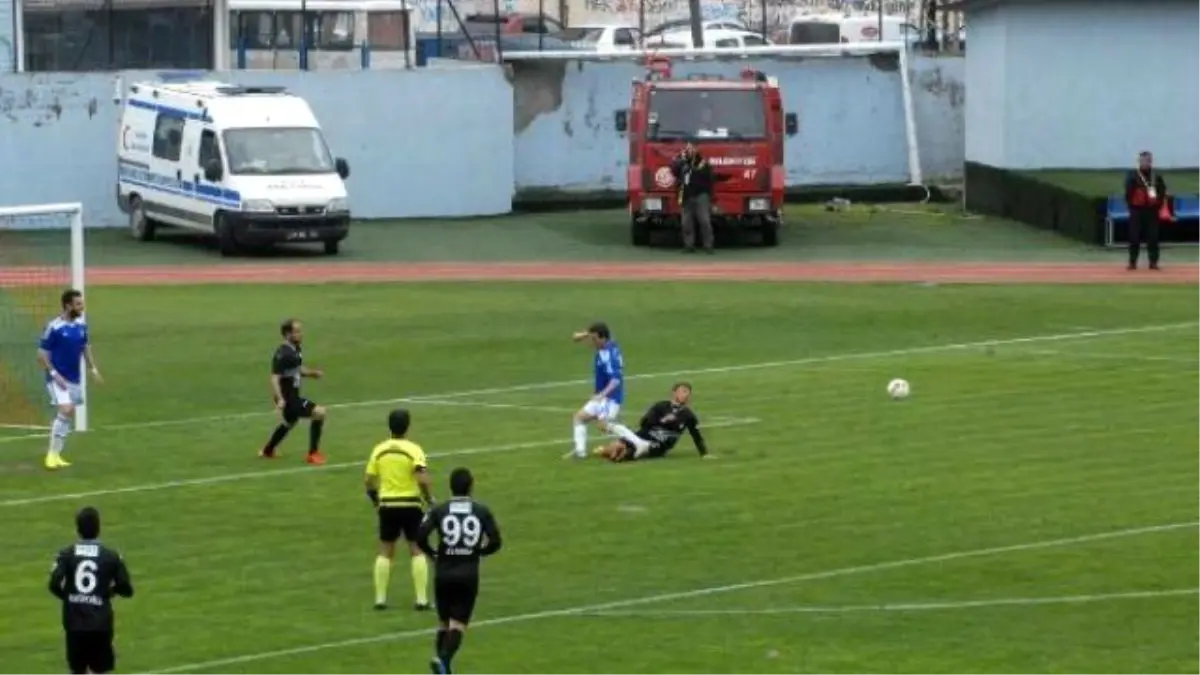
(467, 531)
(1145, 193)
(662, 425)
(85, 576)
(287, 370)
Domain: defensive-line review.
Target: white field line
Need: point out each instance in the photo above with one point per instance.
(683, 595)
(26, 427)
(558, 410)
(23, 437)
(897, 607)
(813, 360)
(250, 475)
(1108, 356)
(433, 402)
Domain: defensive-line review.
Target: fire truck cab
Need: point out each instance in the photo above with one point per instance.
(738, 125)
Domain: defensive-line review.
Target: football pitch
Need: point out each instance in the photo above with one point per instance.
(1032, 507)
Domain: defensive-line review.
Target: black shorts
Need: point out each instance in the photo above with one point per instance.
(90, 651)
(657, 450)
(397, 520)
(455, 596)
(296, 408)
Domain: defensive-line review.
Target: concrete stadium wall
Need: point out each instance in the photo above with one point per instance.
(462, 140)
(1083, 85)
(851, 120)
(406, 134)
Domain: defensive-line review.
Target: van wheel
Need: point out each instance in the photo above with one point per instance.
(770, 235)
(140, 227)
(332, 247)
(225, 240)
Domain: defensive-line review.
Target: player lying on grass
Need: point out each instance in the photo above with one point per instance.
(660, 429)
(608, 372)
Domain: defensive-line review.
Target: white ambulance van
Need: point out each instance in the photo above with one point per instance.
(248, 165)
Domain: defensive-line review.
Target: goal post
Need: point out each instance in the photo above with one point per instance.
(784, 53)
(41, 255)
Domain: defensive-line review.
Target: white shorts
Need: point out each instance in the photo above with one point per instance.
(605, 410)
(72, 394)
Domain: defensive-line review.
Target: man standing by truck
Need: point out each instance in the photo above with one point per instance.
(694, 176)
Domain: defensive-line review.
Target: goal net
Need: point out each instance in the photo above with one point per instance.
(41, 255)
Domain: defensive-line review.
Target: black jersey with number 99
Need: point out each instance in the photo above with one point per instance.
(466, 532)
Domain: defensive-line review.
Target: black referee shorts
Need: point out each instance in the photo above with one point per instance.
(296, 408)
(90, 651)
(399, 520)
(455, 596)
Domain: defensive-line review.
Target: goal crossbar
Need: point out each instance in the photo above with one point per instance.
(78, 279)
(915, 173)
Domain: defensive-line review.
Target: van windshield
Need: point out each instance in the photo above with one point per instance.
(700, 115)
(274, 151)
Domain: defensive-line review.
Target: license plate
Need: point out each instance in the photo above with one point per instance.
(296, 235)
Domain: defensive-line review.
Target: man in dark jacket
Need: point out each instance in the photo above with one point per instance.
(693, 175)
(1145, 192)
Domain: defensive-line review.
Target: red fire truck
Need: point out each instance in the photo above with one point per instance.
(737, 124)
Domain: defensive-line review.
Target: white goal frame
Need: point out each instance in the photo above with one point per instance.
(78, 277)
(915, 175)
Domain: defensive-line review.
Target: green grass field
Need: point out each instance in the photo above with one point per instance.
(1031, 508)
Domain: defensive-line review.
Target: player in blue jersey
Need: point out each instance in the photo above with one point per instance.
(61, 352)
(605, 404)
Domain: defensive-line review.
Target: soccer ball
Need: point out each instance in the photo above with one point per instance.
(898, 389)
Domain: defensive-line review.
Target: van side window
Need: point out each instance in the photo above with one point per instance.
(168, 137)
(210, 151)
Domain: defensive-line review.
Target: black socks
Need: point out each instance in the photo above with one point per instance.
(277, 437)
(314, 435)
(449, 641)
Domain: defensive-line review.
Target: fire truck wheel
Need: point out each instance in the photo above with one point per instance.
(770, 234)
(639, 233)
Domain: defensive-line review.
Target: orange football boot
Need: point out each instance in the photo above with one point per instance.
(315, 458)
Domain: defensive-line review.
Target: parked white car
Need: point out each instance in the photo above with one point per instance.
(604, 38)
(718, 39)
(684, 25)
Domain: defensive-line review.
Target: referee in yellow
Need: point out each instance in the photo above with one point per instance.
(398, 485)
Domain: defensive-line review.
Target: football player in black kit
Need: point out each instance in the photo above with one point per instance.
(85, 576)
(467, 531)
(287, 370)
(662, 425)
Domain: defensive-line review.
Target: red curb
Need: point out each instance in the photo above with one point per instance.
(856, 272)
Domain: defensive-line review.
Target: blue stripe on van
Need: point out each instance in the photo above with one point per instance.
(171, 111)
(212, 194)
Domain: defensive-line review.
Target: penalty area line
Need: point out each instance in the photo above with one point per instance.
(895, 607)
(683, 595)
(250, 475)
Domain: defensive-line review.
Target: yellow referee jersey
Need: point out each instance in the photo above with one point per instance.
(395, 464)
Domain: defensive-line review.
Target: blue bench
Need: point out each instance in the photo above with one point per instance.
(1186, 209)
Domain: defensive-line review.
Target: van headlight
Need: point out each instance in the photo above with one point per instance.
(258, 206)
(760, 204)
(339, 205)
(652, 204)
